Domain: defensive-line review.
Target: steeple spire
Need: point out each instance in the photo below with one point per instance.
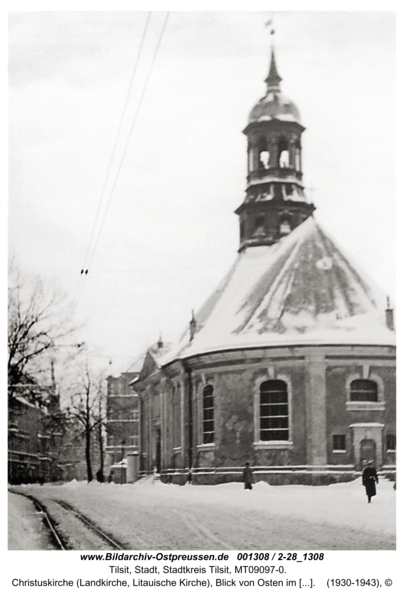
(273, 80)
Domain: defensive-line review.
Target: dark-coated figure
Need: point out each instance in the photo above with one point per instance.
(369, 480)
(247, 477)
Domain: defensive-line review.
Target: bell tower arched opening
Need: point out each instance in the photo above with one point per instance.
(263, 154)
(274, 177)
(283, 154)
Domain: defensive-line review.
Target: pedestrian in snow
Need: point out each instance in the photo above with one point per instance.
(369, 480)
(189, 478)
(247, 477)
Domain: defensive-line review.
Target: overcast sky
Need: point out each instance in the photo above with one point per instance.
(170, 233)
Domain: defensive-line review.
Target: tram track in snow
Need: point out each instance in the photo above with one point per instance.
(62, 541)
(89, 524)
(48, 521)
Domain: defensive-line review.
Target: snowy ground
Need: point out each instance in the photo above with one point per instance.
(158, 516)
(25, 528)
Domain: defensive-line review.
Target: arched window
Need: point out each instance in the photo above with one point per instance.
(274, 411)
(363, 390)
(264, 159)
(208, 419)
(259, 222)
(263, 154)
(285, 224)
(283, 154)
(284, 227)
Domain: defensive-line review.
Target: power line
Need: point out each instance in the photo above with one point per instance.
(78, 290)
(85, 271)
(148, 269)
(129, 136)
(117, 135)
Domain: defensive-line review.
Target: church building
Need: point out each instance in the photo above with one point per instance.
(290, 363)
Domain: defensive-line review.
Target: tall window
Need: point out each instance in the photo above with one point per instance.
(391, 442)
(208, 420)
(363, 390)
(274, 419)
(176, 418)
(259, 224)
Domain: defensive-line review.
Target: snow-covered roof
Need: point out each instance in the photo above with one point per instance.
(274, 105)
(301, 290)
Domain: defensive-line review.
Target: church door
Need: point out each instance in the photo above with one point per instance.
(368, 450)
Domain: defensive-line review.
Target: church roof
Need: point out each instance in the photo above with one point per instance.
(301, 290)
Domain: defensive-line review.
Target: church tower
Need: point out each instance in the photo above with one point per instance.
(275, 202)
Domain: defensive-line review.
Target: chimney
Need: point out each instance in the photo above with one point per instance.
(192, 327)
(160, 343)
(389, 316)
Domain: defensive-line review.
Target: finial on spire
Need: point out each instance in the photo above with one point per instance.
(269, 24)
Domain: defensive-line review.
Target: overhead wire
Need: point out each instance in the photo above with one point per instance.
(91, 257)
(85, 271)
(129, 137)
(87, 265)
(117, 135)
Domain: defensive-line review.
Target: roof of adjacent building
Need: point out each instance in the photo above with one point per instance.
(301, 290)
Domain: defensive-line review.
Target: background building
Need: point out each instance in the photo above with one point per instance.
(34, 435)
(122, 419)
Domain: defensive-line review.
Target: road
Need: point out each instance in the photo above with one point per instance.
(170, 517)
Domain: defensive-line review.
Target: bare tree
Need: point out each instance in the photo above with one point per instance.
(39, 321)
(102, 417)
(87, 410)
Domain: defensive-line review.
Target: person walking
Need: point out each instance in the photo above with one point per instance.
(369, 480)
(247, 477)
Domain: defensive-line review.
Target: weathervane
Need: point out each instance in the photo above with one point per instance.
(269, 24)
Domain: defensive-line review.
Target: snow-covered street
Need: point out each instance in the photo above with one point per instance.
(150, 515)
(26, 530)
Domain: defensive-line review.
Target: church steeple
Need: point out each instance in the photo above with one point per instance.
(273, 80)
(275, 201)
